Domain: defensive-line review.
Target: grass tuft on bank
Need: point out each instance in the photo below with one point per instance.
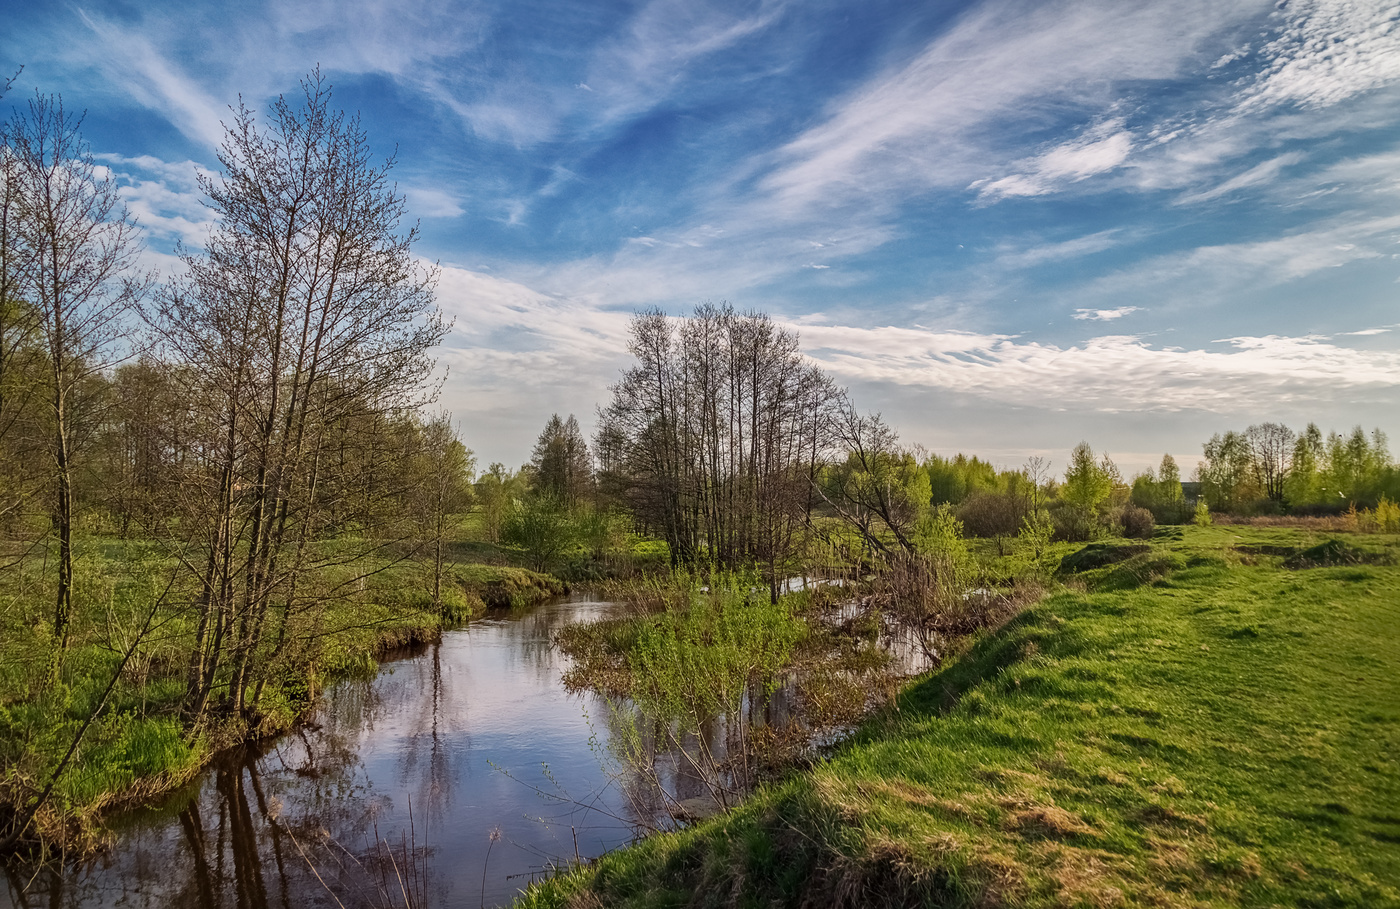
(1209, 722)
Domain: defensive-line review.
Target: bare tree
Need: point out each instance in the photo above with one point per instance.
(76, 248)
(712, 438)
(305, 326)
(879, 489)
(1271, 455)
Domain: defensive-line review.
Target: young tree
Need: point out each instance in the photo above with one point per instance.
(542, 527)
(1303, 485)
(444, 488)
(1169, 491)
(879, 488)
(495, 490)
(71, 250)
(1227, 475)
(1087, 483)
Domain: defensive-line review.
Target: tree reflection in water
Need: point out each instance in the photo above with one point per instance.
(459, 731)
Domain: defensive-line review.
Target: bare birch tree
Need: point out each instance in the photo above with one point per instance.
(713, 437)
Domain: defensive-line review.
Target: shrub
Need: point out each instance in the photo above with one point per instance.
(1138, 523)
(992, 514)
(1073, 524)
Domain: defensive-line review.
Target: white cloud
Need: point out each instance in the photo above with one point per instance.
(1263, 173)
(1061, 250)
(1100, 149)
(426, 202)
(165, 198)
(1327, 52)
(647, 63)
(1211, 274)
(1109, 374)
(131, 60)
(1104, 315)
(945, 117)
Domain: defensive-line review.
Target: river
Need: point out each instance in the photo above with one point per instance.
(451, 778)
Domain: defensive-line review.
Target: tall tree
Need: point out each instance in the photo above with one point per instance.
(1227, 475)
(72, 258)
(444, 488)
(305, 325)
(714, 435)
(1271, 456)
(562, 468)
(1088, 483)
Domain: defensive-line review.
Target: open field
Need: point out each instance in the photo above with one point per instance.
(1212, 721)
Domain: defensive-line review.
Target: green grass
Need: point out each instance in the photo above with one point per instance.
(1195, 725)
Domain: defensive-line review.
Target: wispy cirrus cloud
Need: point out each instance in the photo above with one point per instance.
(1104, 315)
(1100, 149)
(1112, 373)
(1263, 173)
(1061, 250)
(976, 89)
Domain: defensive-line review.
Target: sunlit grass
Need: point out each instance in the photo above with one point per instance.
(1202, 726)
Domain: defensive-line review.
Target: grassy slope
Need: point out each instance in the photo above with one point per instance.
(1200, 726)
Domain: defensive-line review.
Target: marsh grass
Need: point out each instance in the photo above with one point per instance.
(1198, 726)
(137, 745)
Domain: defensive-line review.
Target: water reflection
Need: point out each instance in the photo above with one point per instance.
(390, 797)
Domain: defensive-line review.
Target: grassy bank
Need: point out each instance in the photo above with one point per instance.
(135, 746)
(1214, 720)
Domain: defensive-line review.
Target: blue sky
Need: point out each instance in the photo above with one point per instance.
(1007, 225)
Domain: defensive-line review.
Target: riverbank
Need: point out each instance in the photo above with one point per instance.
(1214, 720)
(132, 745)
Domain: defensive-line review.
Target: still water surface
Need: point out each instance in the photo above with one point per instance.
(470, 736)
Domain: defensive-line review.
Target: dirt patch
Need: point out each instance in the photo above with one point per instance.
(1045, 821)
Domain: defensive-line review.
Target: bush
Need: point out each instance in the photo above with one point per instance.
(1073, 524)
(1138, 523)
(992, 514)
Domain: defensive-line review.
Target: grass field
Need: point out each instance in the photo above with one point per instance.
(1214, 721)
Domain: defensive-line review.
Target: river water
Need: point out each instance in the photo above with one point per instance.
(451, 778)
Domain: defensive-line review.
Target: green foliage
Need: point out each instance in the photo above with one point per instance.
(495, 491)
(1225, 476)
(952, 480)
(1034, 541)
(695, 664)
(1387, 516)
(1202, 517)
(1088, 484)
(543, 528)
